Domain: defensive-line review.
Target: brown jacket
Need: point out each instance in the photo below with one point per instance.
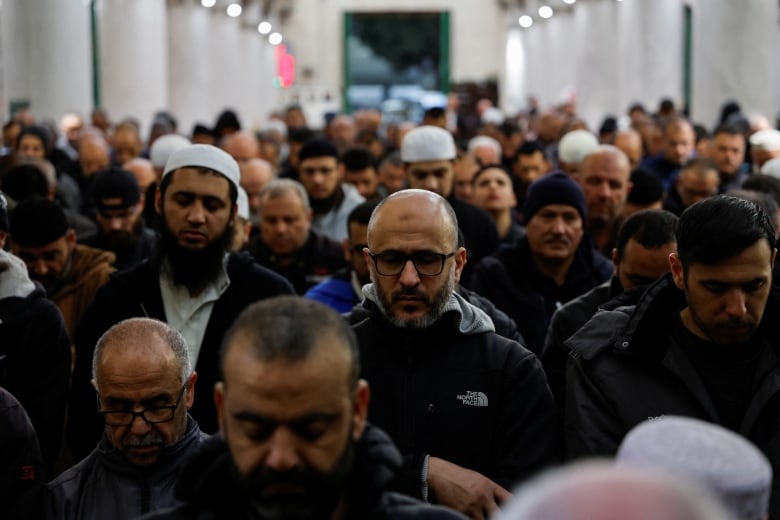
(88, 271)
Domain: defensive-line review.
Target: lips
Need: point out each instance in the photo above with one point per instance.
(192, 236)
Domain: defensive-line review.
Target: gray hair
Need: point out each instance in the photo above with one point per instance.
(278, 187)
(139, 329)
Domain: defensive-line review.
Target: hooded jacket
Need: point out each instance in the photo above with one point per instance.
(106, 485)
(457, 391)
(89, 270)
(34, 353)
(627, 366)
(136, 293)
(209, 491)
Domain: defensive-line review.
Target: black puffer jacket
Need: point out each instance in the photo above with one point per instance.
(457, 391)
(627, 367)
(208, 489)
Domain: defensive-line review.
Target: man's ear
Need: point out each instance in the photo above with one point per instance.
(676, 267)
(219, 403)
(461, 257)
(189, 392)
(360, 408)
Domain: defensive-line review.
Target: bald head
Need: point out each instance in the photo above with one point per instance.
(407, 207)
(94, 153)
(629, 141)
(255, 174)
(151, 340)
(243, 146)
(144, 172)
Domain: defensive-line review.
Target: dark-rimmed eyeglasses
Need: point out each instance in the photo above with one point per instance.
(152, 415)
(392, 263)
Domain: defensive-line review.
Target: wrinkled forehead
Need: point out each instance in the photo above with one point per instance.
(418, 216)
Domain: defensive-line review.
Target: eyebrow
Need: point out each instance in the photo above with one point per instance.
(163, 396)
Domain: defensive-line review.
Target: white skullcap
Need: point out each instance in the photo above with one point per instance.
(767, 140)
(164, 146)
(243, 203)
(427, 143)
(576, 145)
(772, 167)
(204, 156)
(493, 116)
(717, 458)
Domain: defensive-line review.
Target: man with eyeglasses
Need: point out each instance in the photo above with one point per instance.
(145, 386)
(469, 410)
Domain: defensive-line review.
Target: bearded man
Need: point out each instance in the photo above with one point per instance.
(192, 282)
(462, 403)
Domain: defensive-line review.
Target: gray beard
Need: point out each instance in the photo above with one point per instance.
(438, 305)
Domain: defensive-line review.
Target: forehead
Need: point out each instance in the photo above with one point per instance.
(203, 183)
(289, 386)
(728, 139)
(58, 245)
(324, 162)
(751, 263)
(287, 202)
(358, 232)
(535, 157)
(492, 174)
(605, 164)
(137, 364)
(556, 210)
(431, 167)
(644, 258)
(412, 218)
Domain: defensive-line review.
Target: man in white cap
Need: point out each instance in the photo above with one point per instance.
(764, 146)
(192, 283)
(428, 153)
(573, 147)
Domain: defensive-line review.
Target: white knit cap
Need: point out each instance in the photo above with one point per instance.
(576, 145)
(164, 146)
(719, 459)
(427, 143)
(243, 203)
(204, 156)
(767, 140)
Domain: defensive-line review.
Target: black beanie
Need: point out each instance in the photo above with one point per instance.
(37, 222)
(318, 148)
(556, 187)
(115, 183)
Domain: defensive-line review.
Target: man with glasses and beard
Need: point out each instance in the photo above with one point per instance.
(192, 282)
(294, 440)
(121, 228)
(469, 410)
(144, 384)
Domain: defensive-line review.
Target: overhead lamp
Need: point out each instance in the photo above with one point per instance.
(264, 27)
(234, 10)
(208, 3)
(525, 21)
(545, 11)
(275, 38)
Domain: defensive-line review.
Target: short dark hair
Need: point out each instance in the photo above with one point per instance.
(721, 227)
(288, 328)
(434, 113)
(357, 159)
(483, 169)
(24, 181)
(765, 184)
(763, 200)
(647, 187)
(529, 148)
(361, 214)
(728, 128)
(652, 228)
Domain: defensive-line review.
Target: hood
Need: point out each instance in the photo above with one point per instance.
(14, 280)
(469, 319)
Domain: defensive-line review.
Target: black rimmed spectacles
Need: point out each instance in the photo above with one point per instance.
(392, 263)
(154, 414)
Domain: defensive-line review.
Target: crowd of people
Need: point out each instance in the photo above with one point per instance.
(390, 320)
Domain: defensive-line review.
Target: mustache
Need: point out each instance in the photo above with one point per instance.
(408, 293)
(150, 439)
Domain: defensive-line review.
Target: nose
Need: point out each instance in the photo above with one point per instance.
(196, 214)
(115, 223)
(39, 268)
(282, 453)
(139, 426)
(735, 304)
(430, 183)
(409, 276)
(557, 225)
(604, 190)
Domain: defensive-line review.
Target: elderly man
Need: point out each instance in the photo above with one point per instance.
(295, 443)
(764, 146)
(551, 265)
(286, 243)
(701, 342)
(71, 273)
(331, 199)
(462, 403)
(429, 154)
(605, 178)
(255, 173)
(144, 384)
(193, 283)
(121, 229)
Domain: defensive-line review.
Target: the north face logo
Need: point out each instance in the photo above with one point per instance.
(473, 399)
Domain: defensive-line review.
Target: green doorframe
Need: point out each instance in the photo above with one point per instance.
(345, 66)
(93, 25)
(687, 56)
